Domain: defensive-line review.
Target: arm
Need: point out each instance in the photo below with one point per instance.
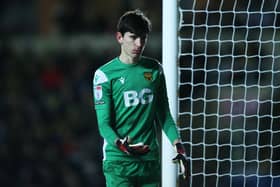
(163, 113)
(170, 128)
(102, 102)
(105, 117)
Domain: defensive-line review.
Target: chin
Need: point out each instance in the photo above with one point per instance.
(136, 55)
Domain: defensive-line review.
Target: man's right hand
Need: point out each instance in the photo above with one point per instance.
(132, 149)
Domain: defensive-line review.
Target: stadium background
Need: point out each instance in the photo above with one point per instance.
(49, 50)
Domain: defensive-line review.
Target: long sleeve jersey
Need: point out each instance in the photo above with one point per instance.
(128, 100)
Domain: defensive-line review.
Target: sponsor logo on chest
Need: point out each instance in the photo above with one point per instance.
(133, 98)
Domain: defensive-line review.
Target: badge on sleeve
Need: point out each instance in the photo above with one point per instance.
(98, 92)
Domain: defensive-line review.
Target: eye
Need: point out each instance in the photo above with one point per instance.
(143, 38)
(134, 37)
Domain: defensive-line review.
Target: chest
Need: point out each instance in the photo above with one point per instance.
(135, 79)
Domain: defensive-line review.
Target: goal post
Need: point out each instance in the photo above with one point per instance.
(227, 89)
(169, 60)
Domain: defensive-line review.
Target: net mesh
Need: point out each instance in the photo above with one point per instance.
(229, 91)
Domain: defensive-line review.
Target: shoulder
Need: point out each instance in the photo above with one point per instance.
(101, 74)
(151, 63)
(108, 66)
(149, 59)
(154, 64)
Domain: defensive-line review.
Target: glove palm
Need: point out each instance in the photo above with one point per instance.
(132, 149)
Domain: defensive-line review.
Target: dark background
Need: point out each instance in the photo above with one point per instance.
(49, 50)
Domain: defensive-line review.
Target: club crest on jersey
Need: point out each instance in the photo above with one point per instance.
(148, 76)
(98, 92)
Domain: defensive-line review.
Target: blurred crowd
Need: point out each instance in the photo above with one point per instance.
(48, 130)
(69, 17)
(48, 133)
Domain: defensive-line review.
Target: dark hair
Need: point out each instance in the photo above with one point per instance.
(135, 22)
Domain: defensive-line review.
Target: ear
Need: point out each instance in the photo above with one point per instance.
(119, 37)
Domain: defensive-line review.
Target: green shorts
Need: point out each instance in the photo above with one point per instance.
(132, 174)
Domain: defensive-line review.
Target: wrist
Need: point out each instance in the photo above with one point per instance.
(118, 142)
(180, 148)
(122, 145)
(176, 141)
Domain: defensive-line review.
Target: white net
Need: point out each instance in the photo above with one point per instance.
(229, 91)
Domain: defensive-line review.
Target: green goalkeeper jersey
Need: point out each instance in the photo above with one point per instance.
(130, 100)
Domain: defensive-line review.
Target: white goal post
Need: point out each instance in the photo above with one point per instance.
(222, 65)
(169, 60)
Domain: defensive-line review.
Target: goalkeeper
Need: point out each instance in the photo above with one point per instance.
(129, 97)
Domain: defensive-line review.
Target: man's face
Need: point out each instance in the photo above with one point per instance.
(132, 45)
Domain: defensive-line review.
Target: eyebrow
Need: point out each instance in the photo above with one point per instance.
(137, 35)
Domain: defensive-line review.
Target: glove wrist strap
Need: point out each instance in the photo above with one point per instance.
(180, 148)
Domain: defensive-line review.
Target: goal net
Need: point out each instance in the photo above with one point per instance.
(229, 91)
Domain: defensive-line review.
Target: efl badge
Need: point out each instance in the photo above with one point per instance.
(98, 92)
(148, 76)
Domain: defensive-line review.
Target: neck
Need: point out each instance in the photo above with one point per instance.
(128, 60)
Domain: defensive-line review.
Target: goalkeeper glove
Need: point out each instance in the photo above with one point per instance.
(181, 160)
(132, 149)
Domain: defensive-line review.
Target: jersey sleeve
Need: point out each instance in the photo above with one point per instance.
(102, 95)
(164, 115)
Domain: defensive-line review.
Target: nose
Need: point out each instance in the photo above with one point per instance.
(138, 42)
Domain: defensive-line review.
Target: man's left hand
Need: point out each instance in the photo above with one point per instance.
(181, 160)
